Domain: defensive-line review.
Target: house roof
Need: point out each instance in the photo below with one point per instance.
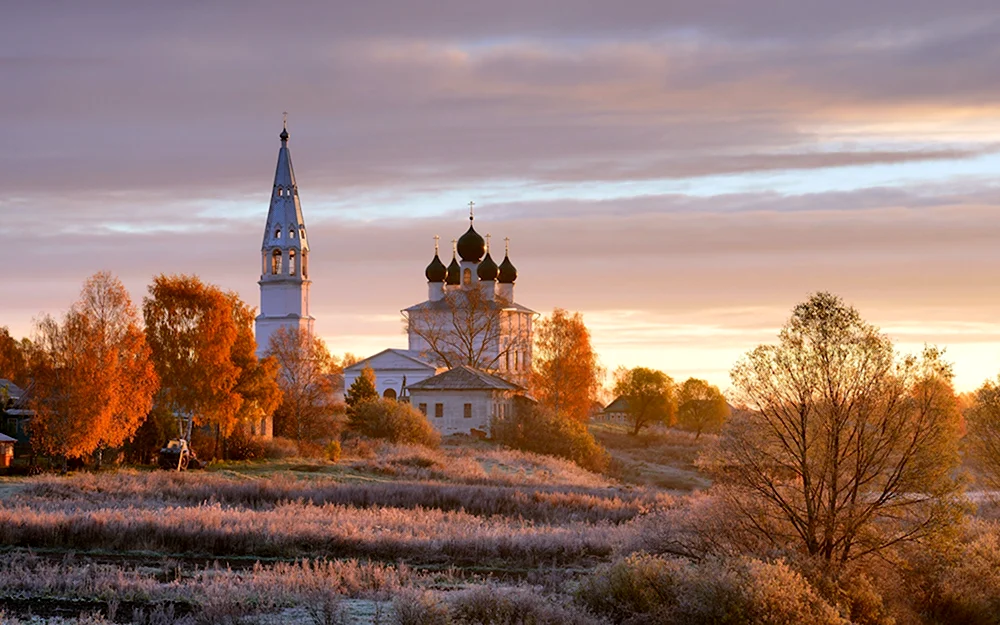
(620, 404)
(13, 390)
(464, 378)
(408, 354)
(6, 439)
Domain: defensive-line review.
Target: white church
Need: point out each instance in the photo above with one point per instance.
(470, 317)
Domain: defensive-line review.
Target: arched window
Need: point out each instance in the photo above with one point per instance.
(291, 262)
(277, 232)
(302, 232)
(291, 232)
(275, 262)
(467, 277)
(390, 393)
(305, 264)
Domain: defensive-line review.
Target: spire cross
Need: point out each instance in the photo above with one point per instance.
(436, 239)
(454, 247)
(471, 205)
(284, 119)
(487, 243)
(506, 245)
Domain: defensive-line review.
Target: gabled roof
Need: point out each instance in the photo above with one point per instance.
(620, 404)
(491, 304)
(6, 439)
(410, 355)
(464, 378)
(13, 390)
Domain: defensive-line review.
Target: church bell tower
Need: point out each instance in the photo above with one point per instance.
(284, 272)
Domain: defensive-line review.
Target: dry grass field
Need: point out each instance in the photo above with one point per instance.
(310, 541)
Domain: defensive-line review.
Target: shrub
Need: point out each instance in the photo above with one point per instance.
(279, 448)
(333, 451)
(395, 421)
(419, 608)
(651, 589)
(240, 445)
(531, 428)
(488, 605)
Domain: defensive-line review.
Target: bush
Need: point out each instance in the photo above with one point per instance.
(394, 421)
(419, 608)
(487, 605)
(651, 589)
(530, 428)
(279, 448)
(240, 445)
(333, 451)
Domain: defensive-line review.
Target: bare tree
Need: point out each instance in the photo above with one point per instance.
(305, 371)
(466, 327)
(841, 449)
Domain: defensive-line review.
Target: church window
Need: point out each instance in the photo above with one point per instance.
(305, 264)
(467, 411)
(438, 411)
(302, 232)
(422, 408)
(390, 393)
(275, 262)
(277, 233)
(291, 262)
(467, 277)
(291, 233)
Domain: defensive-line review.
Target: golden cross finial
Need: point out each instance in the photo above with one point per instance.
(284, 119)
(506, 245)
(436, 239)
(471, 205)
(454, 247)
(487, 242)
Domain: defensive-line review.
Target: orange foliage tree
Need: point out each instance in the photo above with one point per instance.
(13, 358)
(566, 376)
(305, 377)
(700, 407)
(93, 372)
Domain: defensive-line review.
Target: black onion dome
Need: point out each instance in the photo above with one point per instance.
(507, 271)
(471, 246)
(284, 134)
(488, 269)
(454, 273)
(436, 271)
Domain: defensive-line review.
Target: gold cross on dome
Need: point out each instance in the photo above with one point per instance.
(506, 245)
(454, 246)
(284, 119)
(436, 239)
(487, 243)
(471, 205)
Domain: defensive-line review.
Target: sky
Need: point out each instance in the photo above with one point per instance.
(681, 173)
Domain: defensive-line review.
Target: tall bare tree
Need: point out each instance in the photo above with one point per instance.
(466, 327)
(305, 377)
(842, 448)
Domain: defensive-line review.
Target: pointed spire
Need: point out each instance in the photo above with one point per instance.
(285, 226)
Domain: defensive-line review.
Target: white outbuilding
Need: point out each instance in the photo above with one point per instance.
(463, 399)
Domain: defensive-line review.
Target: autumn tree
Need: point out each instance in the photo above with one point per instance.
(305, 370)
(566, 376)
(95, 379)
(466, 327)
(204, 352)
(983, 422)
(13, 358)
(700, 407)
(257, 384)
(842, 449)
(650, 395)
